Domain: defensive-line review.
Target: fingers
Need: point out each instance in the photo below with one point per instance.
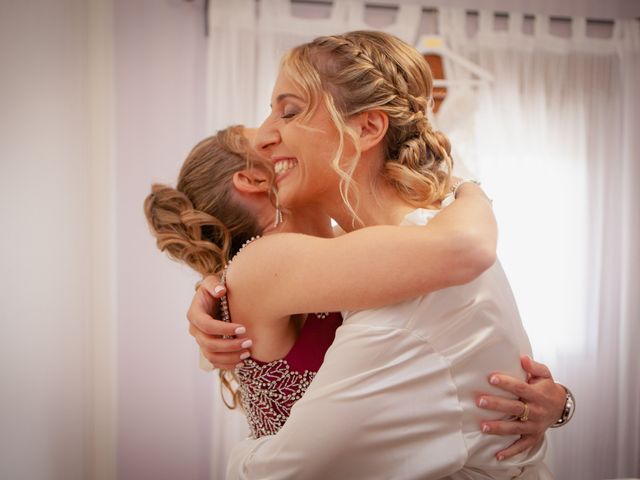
(201, 311)
(209, 325)
(217, 345)
(533, 368)
(525, 442)
(509, 427)
(499, 404)
(212, 285)
(222, 352)
(222, 345)
(512, 385)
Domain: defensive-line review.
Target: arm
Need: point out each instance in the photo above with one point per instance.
(544, 397)
(398, 263)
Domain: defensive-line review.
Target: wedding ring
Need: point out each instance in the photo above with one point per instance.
(525, 414)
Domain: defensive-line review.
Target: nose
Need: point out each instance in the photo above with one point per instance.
(266, 137)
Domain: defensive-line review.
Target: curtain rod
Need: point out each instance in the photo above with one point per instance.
(386, 6)
(382, 5)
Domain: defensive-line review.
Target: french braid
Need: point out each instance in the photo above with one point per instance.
(365, 70)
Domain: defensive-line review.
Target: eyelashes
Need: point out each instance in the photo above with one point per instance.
(289, 111)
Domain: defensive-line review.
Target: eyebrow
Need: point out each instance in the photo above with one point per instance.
(282, 96)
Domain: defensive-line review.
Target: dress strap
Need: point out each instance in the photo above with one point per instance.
(226, 316)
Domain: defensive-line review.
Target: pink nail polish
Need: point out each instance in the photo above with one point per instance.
(482, 402)
(246, 344)
(245, 355)
(240, 364)
(486, 428)
(500, 457)
(218, 289)
(240, 331)
(494, 380)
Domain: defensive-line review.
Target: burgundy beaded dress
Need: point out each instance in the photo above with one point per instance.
(268, 390)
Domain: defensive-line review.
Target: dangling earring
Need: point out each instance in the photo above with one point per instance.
(278, 219)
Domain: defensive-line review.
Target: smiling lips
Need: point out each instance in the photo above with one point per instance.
(283, 165)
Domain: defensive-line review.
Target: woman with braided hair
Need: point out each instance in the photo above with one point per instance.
(395, 397)
(224, 200)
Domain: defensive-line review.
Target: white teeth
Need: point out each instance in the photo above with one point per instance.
(282, 166)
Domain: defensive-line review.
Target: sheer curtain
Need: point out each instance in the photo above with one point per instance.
(554, 139)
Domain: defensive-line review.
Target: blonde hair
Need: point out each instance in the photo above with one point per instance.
(199, 222)
(364, 70)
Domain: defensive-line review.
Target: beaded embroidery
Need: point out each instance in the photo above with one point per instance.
(224, 303)
(267, 393)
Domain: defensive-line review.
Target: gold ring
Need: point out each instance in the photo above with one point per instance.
(525, 414)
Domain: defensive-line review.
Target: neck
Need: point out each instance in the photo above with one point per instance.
(379, 203)
(308, 220)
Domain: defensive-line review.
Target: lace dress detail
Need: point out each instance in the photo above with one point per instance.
(267, 393)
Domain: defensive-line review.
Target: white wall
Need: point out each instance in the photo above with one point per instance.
(45, 241)
(163, 398)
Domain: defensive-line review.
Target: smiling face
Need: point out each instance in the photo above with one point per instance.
(324, 87)
(300, 140)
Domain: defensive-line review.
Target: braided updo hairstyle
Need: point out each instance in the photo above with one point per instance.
(199, 222)
(365, 70)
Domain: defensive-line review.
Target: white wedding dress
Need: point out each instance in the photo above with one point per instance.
(395, 396)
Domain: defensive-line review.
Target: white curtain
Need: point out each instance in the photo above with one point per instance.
(554, 139)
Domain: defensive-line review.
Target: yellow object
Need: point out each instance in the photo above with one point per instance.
(433, 42)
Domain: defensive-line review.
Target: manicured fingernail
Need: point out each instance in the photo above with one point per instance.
(240, 330)
(240, 364)
(245, 355)
(494, 380)
(486, 428)
(246, 344)
(218, 289)
(500, 457)
(482, 402)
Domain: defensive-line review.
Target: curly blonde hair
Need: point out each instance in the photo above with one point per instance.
(199, 222)
(365, 70)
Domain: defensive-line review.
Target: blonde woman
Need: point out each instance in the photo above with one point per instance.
(348, 134)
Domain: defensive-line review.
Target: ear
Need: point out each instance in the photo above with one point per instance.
(373, 126)
(251, 180)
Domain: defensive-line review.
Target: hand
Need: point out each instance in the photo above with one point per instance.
(545, 400)
(208, 332)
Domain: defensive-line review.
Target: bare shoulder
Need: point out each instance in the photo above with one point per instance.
(258, 270)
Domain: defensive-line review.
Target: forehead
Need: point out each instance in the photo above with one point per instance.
(284, 86)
